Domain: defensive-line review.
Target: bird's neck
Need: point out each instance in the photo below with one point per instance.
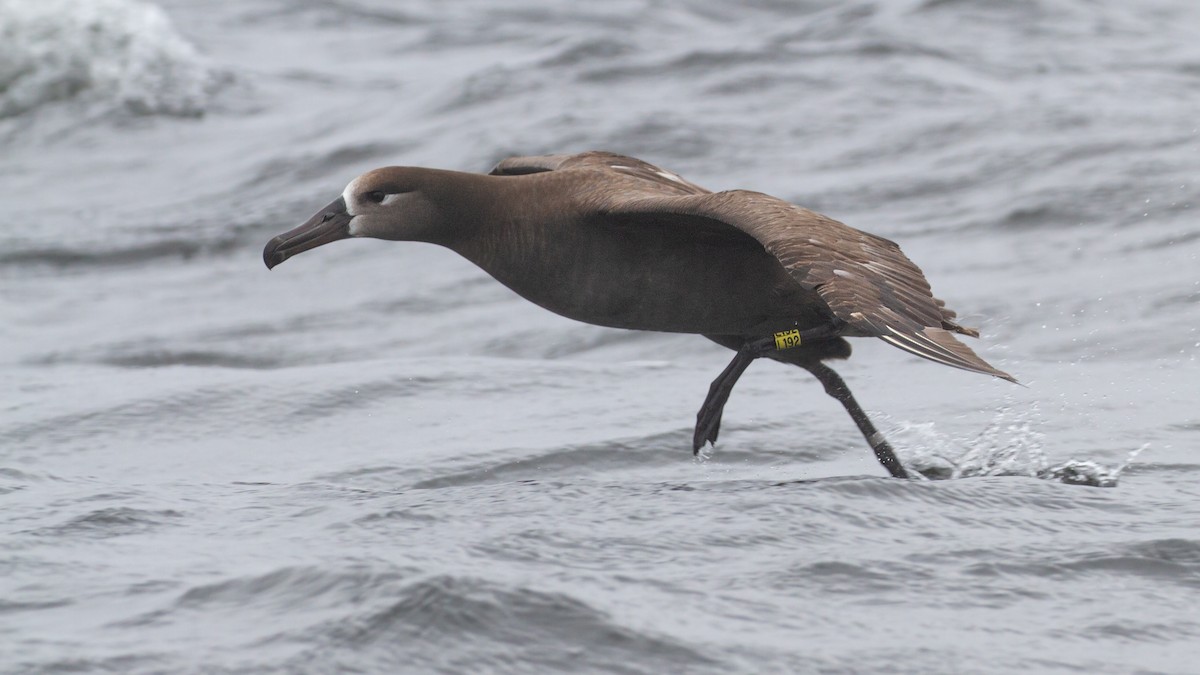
(501, 222)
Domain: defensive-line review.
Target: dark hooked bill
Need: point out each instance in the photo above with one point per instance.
(329, 224)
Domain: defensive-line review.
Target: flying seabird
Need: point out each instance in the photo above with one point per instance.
(614, 241)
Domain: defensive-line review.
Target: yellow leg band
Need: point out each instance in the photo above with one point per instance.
(787, 339)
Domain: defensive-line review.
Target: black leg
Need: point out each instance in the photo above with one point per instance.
(836, 387)
(708, 420)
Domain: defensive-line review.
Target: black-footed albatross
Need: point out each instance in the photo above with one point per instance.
(614, 241)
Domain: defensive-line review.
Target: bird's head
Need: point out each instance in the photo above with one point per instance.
(390, 203)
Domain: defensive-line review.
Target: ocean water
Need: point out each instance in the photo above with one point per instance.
(377, 459)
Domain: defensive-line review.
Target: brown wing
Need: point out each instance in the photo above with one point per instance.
(648, 179)
(865, 280)
(519, 166)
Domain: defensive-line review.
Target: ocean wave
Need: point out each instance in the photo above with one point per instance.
(564, 462)
(111, 522)
(121, 254)
(1174, 561)
(450, 623)
(380, 619)
(122, 54)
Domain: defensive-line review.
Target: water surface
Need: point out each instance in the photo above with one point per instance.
(376, 459)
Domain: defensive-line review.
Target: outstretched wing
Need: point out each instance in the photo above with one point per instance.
(865, 280)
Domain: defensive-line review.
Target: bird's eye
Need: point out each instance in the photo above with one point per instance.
(375, 196)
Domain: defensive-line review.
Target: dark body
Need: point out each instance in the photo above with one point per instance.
(614, 241)
(625, 273)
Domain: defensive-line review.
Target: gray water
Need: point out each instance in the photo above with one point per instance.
(376, 459)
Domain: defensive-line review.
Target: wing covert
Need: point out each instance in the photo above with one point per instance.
(646, 177)
(866, 280)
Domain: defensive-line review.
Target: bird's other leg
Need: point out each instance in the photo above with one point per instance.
(708, 420)
(836, 387)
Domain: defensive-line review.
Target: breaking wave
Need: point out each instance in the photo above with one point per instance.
(111, 54)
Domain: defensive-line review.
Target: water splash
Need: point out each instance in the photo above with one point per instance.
(1010, 445)
(122, 54)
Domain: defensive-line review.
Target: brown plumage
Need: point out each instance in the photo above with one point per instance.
(615, 241)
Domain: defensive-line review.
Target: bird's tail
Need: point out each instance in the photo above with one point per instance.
(938, 344)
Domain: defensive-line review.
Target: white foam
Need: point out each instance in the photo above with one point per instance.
(123, 53)
(1010, 446)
